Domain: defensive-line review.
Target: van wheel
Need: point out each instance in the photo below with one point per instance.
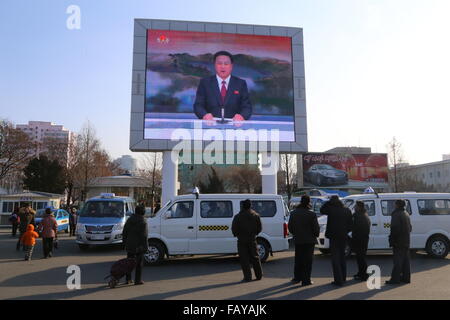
(324, 251)
(154, 254)
(83, 247)
(263, 249)
(438, 247)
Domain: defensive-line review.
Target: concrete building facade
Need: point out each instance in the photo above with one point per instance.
(41, 131)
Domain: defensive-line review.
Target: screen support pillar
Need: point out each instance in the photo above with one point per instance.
(269, 170)
(169, 177)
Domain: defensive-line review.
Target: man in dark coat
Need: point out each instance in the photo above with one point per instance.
(339, 224)
(73, 220)
(246, 226)
(304, 226)
(135, 238)
(360, 239)
(399, 240)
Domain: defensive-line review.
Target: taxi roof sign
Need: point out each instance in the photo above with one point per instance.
(107, 195)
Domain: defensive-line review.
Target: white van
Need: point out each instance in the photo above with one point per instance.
(201, 224)
(430, 219)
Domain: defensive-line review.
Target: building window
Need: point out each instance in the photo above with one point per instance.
(439, 174)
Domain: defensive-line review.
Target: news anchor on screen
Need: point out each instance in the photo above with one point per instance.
(223, 95)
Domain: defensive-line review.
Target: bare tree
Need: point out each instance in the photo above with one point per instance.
(288, 165)
(244, 178)
(151, 165)
(15, 149)
(56, 149)
(395, 158)
(87, 160)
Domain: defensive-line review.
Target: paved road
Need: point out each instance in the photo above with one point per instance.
(201, 277)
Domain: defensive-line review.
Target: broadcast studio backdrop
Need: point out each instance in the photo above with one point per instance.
(171, 57)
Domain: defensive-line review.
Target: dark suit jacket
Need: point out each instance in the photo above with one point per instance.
(304, 226)
(361, 226)
(400, 229)
(208, 99)
(246, 225)
(339, 222)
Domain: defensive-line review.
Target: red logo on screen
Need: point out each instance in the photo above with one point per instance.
(162, 39)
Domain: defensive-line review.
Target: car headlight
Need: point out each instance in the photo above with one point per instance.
(79, 228)
(118, 226)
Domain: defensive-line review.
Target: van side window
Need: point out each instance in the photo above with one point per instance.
(216, 209)
(431, 207)
(183, 209)
(388, 206)
(370, 207)
(266, 209)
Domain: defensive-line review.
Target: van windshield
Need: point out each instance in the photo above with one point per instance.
(103, 209)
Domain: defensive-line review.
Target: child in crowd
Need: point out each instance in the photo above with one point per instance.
(28, 240)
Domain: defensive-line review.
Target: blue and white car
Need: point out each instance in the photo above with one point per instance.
(101, 220)
(61, 216)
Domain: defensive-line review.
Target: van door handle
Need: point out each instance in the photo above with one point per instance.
(190, 227)
(375, 224)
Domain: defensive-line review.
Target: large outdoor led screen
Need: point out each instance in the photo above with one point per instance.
(183, 83)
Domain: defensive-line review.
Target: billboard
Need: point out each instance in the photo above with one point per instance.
(345, 170)
(178, 83)
(183, 83)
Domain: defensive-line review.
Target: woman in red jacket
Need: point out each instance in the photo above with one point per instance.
(49, 229)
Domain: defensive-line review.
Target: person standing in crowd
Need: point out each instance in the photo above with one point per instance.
(157, 207)
(49, 229)
(399, 240)
(304, 226)
(15, 221)
(26, 216)
(246, 226)
(28, 240)
(339, 224)
(135, 238)
(73, 219)
(360, 239)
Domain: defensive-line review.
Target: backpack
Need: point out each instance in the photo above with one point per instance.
(14, 218)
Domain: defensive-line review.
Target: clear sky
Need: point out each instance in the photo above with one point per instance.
(375, 69)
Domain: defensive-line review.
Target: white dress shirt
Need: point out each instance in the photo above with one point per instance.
(219, 81)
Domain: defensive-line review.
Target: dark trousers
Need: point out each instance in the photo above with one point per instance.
(18, 241)
(47, 244)
(139, 264)
(359, 247)
(14, 229)
(337, 248)
(28, 252)
(248, 255)
(72, 228)
(402, 268)
(303, 262)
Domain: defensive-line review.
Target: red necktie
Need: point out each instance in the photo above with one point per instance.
(223, 91)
